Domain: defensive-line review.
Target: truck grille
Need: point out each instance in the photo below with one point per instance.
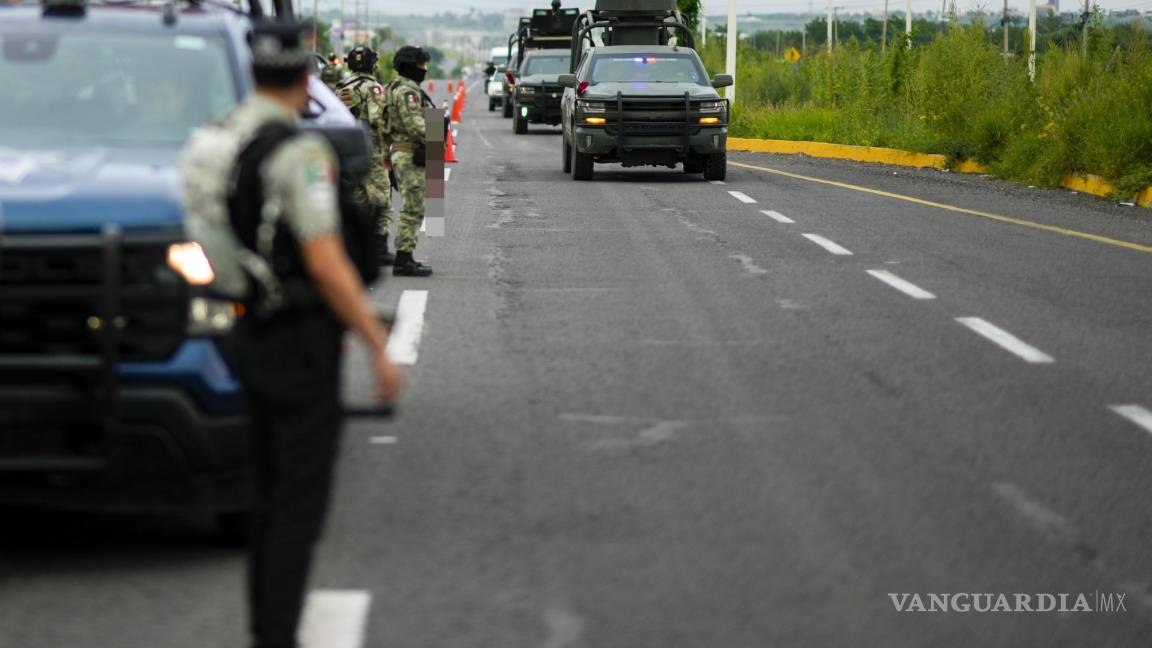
(51, 292)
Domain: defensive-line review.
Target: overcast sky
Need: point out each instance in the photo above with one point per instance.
(720, 6)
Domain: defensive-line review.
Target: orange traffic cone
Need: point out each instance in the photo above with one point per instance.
(449, 87)
(457, 108)
(431, 86)
(449, 148)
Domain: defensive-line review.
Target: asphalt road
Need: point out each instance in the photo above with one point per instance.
(644, 413)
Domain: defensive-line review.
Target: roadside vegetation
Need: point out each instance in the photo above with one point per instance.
(957, 93)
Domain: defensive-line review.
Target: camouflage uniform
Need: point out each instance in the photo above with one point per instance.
(364, 96)
(331, 75)
(406, 102)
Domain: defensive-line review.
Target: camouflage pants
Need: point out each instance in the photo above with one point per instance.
(411, 180)
(375, 194)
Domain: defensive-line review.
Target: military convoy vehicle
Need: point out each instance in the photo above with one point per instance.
(641, 96)
(538, 53)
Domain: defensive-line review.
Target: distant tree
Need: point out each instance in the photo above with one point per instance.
(690, 10)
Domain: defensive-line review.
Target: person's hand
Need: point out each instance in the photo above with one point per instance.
(389, 378)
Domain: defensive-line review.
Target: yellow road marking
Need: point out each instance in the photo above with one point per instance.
(962, 210)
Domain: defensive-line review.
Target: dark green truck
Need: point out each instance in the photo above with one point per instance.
(642, 98)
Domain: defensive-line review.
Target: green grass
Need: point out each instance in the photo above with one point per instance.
(959, 96)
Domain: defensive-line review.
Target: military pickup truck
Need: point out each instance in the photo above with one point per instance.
(538, 92)
(641, 96)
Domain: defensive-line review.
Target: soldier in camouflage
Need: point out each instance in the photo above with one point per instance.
(332, 72)
(406, 103)
(364, 96)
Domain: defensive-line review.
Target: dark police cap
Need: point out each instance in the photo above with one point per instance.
(279, 45)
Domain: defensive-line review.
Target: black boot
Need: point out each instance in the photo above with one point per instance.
(386, 258)
(406, 266)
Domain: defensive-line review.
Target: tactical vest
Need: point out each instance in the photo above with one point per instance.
(284, 283)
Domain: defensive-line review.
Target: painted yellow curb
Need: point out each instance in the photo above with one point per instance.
(1089, 184)
(840, 152)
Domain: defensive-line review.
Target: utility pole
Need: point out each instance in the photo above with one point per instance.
(703, 24)
(1032, 41)
(1004, 26)
(731, 51)
(343, 40)
(315, 28)
(778, 43)
(883, 32)
(829, 19)
(908, 23)
(943, 15)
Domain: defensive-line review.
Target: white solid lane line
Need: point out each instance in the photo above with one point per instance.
(1135, 414)
(335, 618)
(828, 245)
(903, 285)
(404, 342)
(1006, 340)
(776, 216)
(741, 196)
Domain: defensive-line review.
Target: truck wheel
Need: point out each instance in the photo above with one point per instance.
(716, 166)
(581, 165)
(519, 125)
(693, 165)
(507, 109)
(491, 105)
(567, 156)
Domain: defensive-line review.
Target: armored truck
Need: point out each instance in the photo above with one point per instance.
(641, 97)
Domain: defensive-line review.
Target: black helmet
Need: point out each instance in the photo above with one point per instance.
(362, 59)
(410, 55)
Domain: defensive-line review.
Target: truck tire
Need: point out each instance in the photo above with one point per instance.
(567, 156)
(507, 109)
(693, 165)
(581, 165)
(716, 166)
(491, 105)
(232, 528)
(519, 125)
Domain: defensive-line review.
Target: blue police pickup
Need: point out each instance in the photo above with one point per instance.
(115, 392)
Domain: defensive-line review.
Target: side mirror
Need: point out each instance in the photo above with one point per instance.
(567, 80)
(722, 81)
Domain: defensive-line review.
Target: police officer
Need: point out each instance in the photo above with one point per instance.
(255, 177)
(364, 96)
(406, 103)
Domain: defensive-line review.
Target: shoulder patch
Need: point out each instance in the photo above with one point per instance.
(377, 89)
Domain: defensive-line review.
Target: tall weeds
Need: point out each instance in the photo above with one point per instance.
(958, 95)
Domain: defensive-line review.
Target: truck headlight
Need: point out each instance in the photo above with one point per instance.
(190, 262)
(592, 106)
(710, 106)
(526, 91)
(210, 316)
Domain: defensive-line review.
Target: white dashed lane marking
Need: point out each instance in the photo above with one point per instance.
(383, 440)
(832, 247)
(717, 182)
(404, 342)
(742, 197)
(776, 216)
(447, 174)
(903, 285)
(1136, 414)
(1006, 340)
(335, 618)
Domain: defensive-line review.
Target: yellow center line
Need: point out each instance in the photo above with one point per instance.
(973, 212)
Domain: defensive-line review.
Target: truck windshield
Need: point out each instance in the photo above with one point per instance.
(110, 89)
(647, 68)
(546, 65)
